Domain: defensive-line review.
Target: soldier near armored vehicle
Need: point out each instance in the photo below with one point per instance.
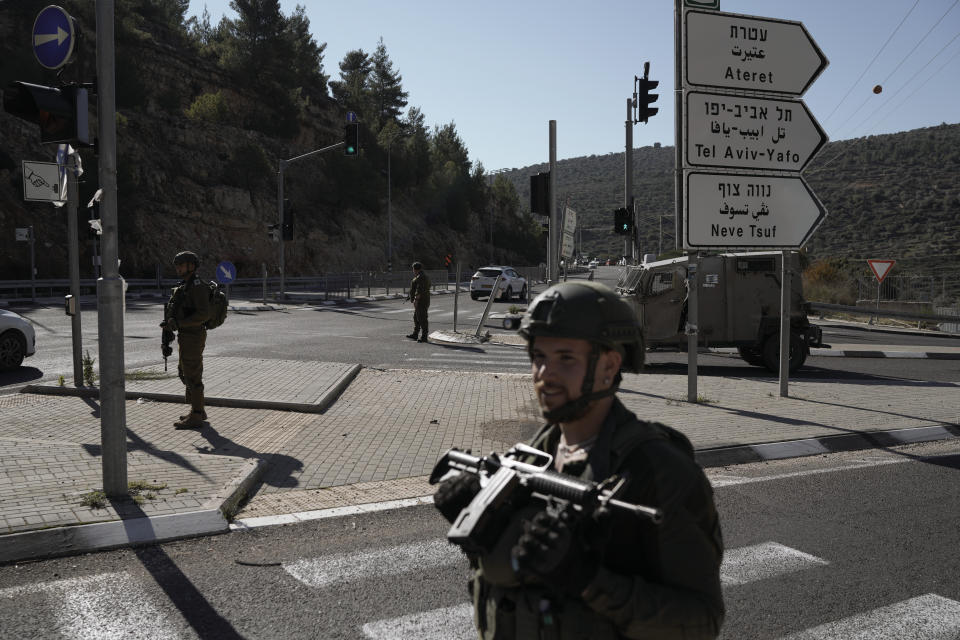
(558, 572)
(184, 315)
(420, 297)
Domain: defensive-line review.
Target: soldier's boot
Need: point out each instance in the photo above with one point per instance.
(193, 420)
(426, 332)
(188, 397)
(416, 331)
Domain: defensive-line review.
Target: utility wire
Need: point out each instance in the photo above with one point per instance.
(903, 59)
(867, 68)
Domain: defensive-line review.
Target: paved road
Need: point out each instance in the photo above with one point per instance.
(817, 548)
(372, 333)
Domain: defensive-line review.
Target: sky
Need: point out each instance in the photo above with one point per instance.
(502, 70)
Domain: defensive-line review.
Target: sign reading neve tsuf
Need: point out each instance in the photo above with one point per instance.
(749, 211)
(732, 51)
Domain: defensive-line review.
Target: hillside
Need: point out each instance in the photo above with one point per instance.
(891, 196)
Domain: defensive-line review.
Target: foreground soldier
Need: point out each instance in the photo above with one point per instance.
(555, 573)
(420, 297)
(185, 314)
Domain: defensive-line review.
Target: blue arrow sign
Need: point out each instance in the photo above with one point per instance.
(351, 116)
(226, 272)
(53, 37)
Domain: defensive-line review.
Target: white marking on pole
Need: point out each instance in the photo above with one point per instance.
(100, 607)
(449, 623)
(346, 567)
(926, 617)
(762, 561)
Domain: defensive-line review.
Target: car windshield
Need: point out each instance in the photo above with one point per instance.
(489, 273)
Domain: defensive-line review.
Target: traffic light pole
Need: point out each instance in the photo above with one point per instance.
(73, 240)
(113, 433)
(280, 170)
(628, 179)
(555, 231)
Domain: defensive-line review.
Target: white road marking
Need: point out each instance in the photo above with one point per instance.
(926, 617)
(730, 480)
(503, 362)
(503, 355)
(100, 607)
(760, 561)
(449, 623)
(346, 567)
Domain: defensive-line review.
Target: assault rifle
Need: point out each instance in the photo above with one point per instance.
(506, 481)
(166, 337)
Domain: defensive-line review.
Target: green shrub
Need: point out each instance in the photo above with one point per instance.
(211, 107)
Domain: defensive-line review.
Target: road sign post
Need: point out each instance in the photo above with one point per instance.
(880, 269)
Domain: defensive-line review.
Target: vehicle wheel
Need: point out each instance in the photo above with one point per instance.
(474, 295)
(751, 355)
(508, 294)
(523, 294)
(771, 353)
(13, 347)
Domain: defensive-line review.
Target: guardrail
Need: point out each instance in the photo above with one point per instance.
(868, 311)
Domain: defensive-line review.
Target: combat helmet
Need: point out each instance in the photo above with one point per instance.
(588, 311)
(187, 257)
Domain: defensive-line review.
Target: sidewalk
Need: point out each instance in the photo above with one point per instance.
(292, 437)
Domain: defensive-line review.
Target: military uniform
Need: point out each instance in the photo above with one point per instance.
(420, 296)
(189, 307)
(655, 581)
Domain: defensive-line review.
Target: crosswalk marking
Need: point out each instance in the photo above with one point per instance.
(333, 569)
(101, 607)
(760, 561)
(448, 623)
(926, 617)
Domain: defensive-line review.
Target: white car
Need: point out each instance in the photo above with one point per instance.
(17, 339)
(512, 283)
(594, 264)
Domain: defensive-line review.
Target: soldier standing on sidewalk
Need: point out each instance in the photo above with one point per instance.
(557, 573)
(420, 296)
(185, 314)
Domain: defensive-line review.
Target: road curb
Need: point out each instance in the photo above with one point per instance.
(743, 454)
(325, 400)
(100, 536)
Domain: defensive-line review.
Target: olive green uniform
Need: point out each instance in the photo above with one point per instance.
(189, 306)
(420, 296)
(655, 581)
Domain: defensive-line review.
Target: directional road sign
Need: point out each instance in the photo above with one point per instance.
(750, 133)
(725, 211)
(732, 51)
(53, 37)
(23, 234)
(41, 181)
(881, 268)
(226, 272)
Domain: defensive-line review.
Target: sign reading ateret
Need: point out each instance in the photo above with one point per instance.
(749, 211)
(750, 133)
(727, 50)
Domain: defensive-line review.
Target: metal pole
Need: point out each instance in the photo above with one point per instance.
(555, 229)
(693, 277)
(280, 257)
(456, 297)
(73, 255)
(678, 123)
(263, 267)
(389, 215)
(33, 270)
(786, 273)
(628, 174)
(110, 286)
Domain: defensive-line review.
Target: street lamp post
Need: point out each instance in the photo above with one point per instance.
(390, 204)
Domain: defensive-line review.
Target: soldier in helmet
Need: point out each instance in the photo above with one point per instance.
(420, 297)
(185, 314)
(560, 574)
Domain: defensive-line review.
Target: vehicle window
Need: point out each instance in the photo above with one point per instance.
(490, 273)
(662, 281)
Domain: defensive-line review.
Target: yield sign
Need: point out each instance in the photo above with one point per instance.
(881, 268)
(732, 51)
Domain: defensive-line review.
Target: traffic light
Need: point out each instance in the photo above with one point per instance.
(61, 112)
(287, 227)
(642, 98)
(622, 222)
(351, 139)
(540, 193)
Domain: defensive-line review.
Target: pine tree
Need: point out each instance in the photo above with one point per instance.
(385, 88)
(351, 90)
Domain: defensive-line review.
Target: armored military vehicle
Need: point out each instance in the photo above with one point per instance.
(738, 305)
